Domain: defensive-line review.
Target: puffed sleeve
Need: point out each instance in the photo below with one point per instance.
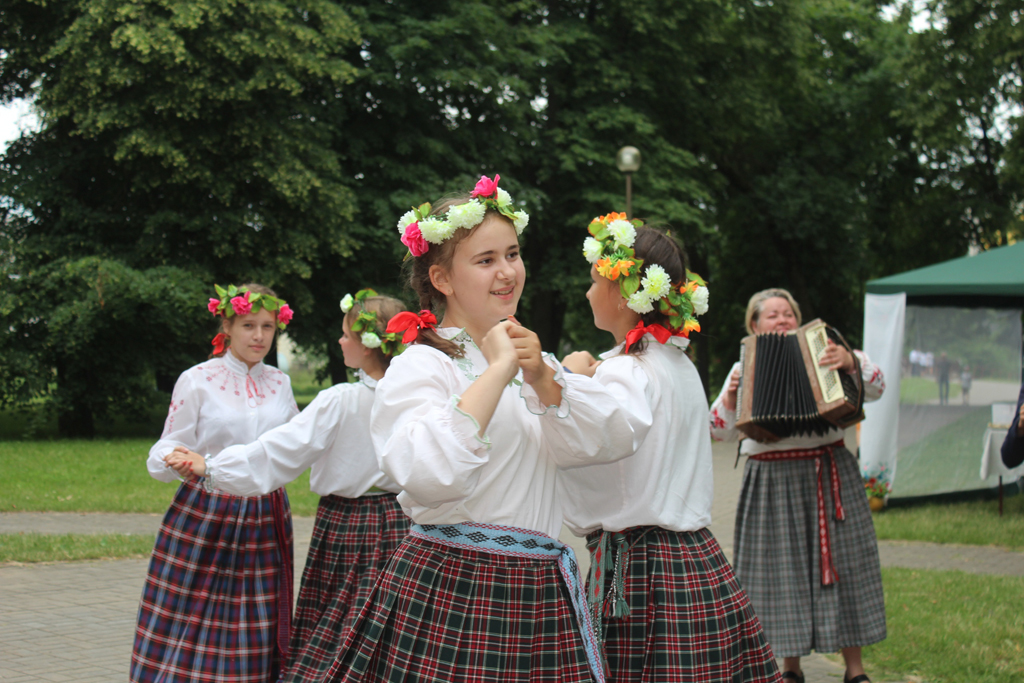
(874, 380)
(429, 447)
(600, 419)
(723, 420)
(280, 455)
(179, 428)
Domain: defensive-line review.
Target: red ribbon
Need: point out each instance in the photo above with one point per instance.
(828, 567)
(410, 324)
(218, 343)
(637, 333)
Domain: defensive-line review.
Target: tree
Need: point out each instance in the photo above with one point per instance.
(178, 137)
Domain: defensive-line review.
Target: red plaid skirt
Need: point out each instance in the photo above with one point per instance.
(689, 618)
(211, 607)
(441, 614)
(353, 539)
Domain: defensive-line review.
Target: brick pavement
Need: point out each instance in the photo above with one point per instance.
(75, 621)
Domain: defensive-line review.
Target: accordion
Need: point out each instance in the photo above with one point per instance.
(783, 392)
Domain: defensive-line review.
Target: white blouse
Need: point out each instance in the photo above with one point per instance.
(332, 435)
(219, 403)
(449, 474)
(723, 421)
(668, 483)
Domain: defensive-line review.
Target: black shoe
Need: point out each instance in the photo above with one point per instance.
(793, 676)
(863, 678)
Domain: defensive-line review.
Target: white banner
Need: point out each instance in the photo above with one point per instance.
(884, 317)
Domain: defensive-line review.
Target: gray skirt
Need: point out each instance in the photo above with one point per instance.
(778, 558)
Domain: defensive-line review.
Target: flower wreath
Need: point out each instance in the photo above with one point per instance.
(368, 327)
(419, 229)
(610, 249)
(240, 301)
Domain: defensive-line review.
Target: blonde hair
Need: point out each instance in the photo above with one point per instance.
(386, 308)
(756, 304)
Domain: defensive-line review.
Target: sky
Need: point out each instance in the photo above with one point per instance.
(13, 119)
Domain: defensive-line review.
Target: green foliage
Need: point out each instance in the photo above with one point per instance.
(810, 145)
(92, 335)
(183, 143)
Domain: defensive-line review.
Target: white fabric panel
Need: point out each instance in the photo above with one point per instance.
(884, 319)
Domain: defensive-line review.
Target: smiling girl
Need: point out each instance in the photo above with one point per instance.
(217, 600)
(473, 422)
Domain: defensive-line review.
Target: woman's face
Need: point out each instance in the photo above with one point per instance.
(606, 301)
(776, 316)
(352, 348)
(251, 335)
(486, 277)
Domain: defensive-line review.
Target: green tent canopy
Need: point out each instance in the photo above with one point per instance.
(993, 278)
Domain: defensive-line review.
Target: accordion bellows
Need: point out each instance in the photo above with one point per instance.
(783, 392)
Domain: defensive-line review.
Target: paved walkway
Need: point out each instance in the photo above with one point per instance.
(74, 621)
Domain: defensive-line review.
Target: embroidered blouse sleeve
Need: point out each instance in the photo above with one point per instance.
(180, 428)
(723, 420)
(280, 455)
(423, 441)
(602, 419)
(874, 380)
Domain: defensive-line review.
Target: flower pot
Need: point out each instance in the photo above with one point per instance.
(876, 504)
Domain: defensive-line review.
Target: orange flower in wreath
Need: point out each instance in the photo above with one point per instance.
(605, 268)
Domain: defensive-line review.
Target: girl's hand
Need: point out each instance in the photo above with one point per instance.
(499, 350)
(528, 353)
(581, 362)
(729, 402)
(188, 464)
(536, 372)
(836, 357)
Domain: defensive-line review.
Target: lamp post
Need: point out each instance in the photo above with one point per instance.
(628, 162)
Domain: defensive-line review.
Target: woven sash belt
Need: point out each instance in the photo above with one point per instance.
(505, 540)
(828, 569)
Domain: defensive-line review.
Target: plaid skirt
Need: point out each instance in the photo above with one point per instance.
(353, 539)
(689, 619)
(441, 614)
(217, 600)
(778, 559)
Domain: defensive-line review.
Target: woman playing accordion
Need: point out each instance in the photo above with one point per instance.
(805, 547)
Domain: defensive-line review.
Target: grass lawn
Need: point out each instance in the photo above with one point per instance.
(946, 626)
(96, 476)
(924, 389)
(937, 462)
(968, 523)
(64, 547)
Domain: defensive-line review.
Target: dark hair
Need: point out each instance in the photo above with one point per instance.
(255, 289)
(386, 308)
(656, 245)
(441, 255)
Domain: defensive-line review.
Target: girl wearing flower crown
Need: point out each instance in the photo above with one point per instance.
(217, 598)
(473, 422)
(663, 593)
(359, 522)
